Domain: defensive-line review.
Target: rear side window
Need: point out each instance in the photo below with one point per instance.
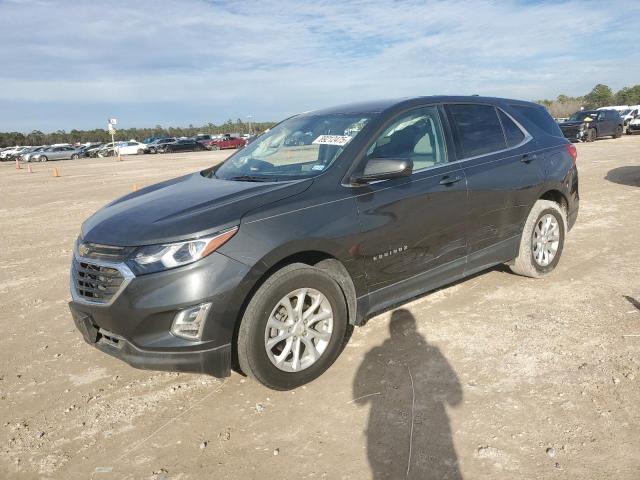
(512, 132)
(478, 129)
(539, 117)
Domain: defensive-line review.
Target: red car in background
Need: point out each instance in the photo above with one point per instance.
(227, 141)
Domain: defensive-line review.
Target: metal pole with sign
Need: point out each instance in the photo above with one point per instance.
(111, 127)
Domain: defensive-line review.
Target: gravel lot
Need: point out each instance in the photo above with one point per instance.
(512, 377)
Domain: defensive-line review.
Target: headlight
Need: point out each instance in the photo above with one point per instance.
(155, 258)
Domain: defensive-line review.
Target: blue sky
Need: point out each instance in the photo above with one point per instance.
(73, 64)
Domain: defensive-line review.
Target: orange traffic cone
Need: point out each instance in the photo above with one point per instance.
(56, 173)
(29, 169)
(17, 165)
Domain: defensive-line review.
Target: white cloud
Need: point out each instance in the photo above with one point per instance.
(274, 57)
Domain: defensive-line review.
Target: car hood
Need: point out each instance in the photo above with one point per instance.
(182, 208)
(572, 123)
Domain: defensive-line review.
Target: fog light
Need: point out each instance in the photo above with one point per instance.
(189, 323)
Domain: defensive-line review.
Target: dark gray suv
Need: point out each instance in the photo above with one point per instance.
(265, 262)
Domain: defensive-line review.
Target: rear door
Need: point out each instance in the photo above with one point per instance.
(416, 224)
(504, 173)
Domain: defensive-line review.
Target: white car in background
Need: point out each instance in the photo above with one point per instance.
(627, 112)
(131, 147)
(10, 151)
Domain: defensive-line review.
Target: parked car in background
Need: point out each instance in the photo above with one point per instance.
(626, 112)
(267, 261)
(27, 154)
(226, 141)
(588, 125)
(56, 153)
(7, 153)
(152, 138)
(634, 126)
(86, 149)
(184, 145)
(106, 150)
(158, 143)
(132, 147)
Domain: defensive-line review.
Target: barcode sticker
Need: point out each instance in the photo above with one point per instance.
(338, 140)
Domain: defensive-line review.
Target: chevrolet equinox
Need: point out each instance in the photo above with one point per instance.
(265, 262)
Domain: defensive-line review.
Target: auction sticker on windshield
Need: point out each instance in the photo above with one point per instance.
(339, 140)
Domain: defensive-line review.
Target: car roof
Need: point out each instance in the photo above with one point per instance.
(379, 106)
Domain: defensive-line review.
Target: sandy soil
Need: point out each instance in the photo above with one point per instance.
(495, 377)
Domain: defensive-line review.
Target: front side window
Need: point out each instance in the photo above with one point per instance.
(416, 135)
(478, 129)
(300, 147)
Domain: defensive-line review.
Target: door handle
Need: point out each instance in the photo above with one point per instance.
(447, 180)
(527, 158)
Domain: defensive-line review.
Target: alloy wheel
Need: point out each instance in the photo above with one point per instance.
(545, 240)
(298, 330)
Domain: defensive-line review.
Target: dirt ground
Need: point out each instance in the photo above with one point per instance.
(495, 377)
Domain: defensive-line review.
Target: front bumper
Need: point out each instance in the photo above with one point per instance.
(135, 324)
(214, 361)
(575, 134)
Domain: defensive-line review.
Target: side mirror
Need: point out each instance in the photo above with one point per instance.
(383, 169)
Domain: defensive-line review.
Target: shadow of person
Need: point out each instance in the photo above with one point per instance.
(629, 175)
(408, 384)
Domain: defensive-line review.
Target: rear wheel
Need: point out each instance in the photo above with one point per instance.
(293, 328)
(542, 240)
(43, 158)
(75, 156)
(215, 147)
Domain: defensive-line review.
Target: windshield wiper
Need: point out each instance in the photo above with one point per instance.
(253, 178)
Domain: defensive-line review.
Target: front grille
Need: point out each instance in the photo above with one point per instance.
(96, 283)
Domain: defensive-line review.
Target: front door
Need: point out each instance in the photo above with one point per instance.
(416, 224)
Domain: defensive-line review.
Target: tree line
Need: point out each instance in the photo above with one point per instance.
(600, 96)
(37, 137)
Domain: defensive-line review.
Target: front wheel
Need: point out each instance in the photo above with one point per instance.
(618, 133)
(215, 147)
(293, 328)
(542, 240)
(43, 158)
(140, 151)
(75, 156)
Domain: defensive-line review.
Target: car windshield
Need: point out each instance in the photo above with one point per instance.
(300, 147)
(580, 116)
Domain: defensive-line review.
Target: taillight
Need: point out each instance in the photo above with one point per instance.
(573, 151)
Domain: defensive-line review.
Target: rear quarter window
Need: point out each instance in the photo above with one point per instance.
(477, 129)
(540, 118)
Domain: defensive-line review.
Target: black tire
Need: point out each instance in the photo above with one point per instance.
(140, 151)
(525, 263)
(152, 150)
(618, 133)
(75, 156)
(215, 147)
(252, 353)
(592, 134)
(43, 158)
